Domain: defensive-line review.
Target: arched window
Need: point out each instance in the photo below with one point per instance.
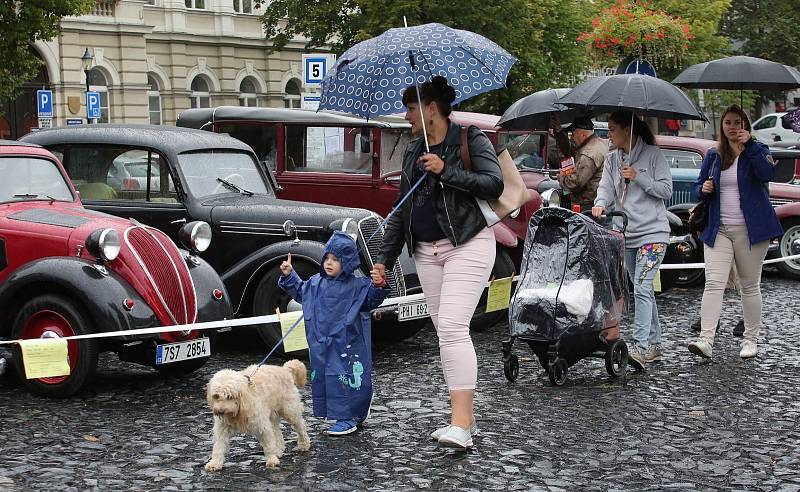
(154, 99)
(247, 93)
(200, 98)
(99, 83)
(291, 98)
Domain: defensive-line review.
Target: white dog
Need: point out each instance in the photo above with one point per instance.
(253, 401)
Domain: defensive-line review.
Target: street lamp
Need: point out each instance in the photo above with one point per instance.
(87, 59)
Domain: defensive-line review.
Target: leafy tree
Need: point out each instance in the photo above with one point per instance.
(765, 29)
(21, 23)
(542, 34)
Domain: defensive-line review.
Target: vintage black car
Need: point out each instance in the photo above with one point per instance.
(217, 179)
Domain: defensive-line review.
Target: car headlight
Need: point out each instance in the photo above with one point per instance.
(104, 244)
(551, 198)
(195, 236)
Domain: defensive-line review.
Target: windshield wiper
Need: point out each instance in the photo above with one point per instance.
(34, 196)
(234, 187)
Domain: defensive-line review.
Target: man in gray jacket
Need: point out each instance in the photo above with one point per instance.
(589, 154)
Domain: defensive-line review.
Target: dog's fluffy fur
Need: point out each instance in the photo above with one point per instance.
(255, 406)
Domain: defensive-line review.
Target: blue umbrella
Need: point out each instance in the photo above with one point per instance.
(368, 80)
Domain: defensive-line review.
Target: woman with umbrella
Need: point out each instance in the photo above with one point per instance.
(446, 232)
(636, 179)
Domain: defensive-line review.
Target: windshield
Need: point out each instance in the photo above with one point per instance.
(32, 178)
(393, 148)
(524, 148)
(213, 172)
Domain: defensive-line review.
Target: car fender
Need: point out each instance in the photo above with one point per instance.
(788, 210)
(504, 235)
(205, 280)
(243, 277)
(99, 293)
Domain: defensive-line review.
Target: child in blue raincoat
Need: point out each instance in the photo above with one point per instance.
(336, 308)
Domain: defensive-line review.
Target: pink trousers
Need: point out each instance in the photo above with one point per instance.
(453, 279)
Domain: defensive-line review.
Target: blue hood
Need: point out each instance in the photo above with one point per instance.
(344, 248)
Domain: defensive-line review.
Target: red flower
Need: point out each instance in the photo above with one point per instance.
(648, 37)
(596, 22)
(661, 35)
(616, 40)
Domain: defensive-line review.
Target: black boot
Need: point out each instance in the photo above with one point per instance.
(738, 330)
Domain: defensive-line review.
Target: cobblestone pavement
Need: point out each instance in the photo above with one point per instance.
(684, 424)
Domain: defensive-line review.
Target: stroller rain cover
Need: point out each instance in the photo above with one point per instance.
(573, 278)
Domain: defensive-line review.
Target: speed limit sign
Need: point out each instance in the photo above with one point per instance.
(315, 66)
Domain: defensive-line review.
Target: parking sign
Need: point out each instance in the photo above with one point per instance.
(93, 105)
(44, 104)
(315, 66)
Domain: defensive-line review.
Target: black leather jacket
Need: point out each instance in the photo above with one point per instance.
(456, 210)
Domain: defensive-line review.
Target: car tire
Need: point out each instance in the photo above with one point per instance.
(63, 317)
(791, 233)
(268, 297)
(503, 268)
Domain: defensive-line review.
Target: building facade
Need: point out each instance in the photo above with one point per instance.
(154, 58)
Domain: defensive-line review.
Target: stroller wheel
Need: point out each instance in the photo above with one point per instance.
(511, 367)
(557, 372)
(617, 358)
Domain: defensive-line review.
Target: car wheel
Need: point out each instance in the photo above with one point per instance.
(268, 297)
(55, 316)
(481, 320)
(790, 245)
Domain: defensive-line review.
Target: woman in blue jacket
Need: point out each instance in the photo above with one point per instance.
(734, 181)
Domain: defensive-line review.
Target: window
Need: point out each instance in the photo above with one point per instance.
(247, 93)
(767, 122)
(29, 178)
(195, 4)
(200, 98)
(120, 174)
(243, 6)
(683, 159)
(292, 97)
(393, 148)
(262, 138)
(154, 99)
(221, 172)
(329, 149)
(98, 83)
(524, 148)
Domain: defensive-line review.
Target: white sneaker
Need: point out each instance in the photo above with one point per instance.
(456, 437)
(701, 347)
(435, 435)
(749, 349)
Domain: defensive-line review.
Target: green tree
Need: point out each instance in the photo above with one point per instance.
(21, 23)
(542, 34)
(766, 29)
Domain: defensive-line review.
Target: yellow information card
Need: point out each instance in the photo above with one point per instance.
(499, 296)
(297, 338)
(44, 358)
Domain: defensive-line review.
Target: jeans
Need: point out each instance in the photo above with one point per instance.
(642, 264)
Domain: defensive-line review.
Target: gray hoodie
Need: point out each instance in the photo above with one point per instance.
(645, 195)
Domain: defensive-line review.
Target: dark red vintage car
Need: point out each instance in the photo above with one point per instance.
(67, 271)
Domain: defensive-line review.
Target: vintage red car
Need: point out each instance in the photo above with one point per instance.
(67, 271)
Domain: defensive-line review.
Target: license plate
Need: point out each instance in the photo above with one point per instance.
(412, 310)
(176, 352)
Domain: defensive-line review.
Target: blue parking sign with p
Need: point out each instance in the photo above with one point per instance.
(93, 105)
(44, 104)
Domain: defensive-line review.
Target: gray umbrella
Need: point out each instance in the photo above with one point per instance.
(533, 112)
(739, 72)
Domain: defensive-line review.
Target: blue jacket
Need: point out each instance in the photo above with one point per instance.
(754, 172)
(336, 311)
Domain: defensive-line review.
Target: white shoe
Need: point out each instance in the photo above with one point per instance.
(456, 437)
(701, 347)
(749, 349)
(435, 435)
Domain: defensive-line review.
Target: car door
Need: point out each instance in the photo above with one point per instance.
(329, 164)
(151, 199)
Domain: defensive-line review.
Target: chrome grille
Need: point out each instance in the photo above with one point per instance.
(679, 197)
(394, 277)
(777, 202)
(166, 269)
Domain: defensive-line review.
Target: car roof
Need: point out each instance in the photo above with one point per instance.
(700, 145)
(201, 117)
(772, 114)
(16, 143)
(158, 137)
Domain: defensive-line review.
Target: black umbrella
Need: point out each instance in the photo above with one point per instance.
(533, 112)
(739, 72)
(638, 93)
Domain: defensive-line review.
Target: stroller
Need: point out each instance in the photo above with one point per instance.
(571, 294)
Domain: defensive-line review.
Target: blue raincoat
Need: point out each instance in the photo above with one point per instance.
(337, 321)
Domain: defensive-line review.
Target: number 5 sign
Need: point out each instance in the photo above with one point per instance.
(315, 66)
